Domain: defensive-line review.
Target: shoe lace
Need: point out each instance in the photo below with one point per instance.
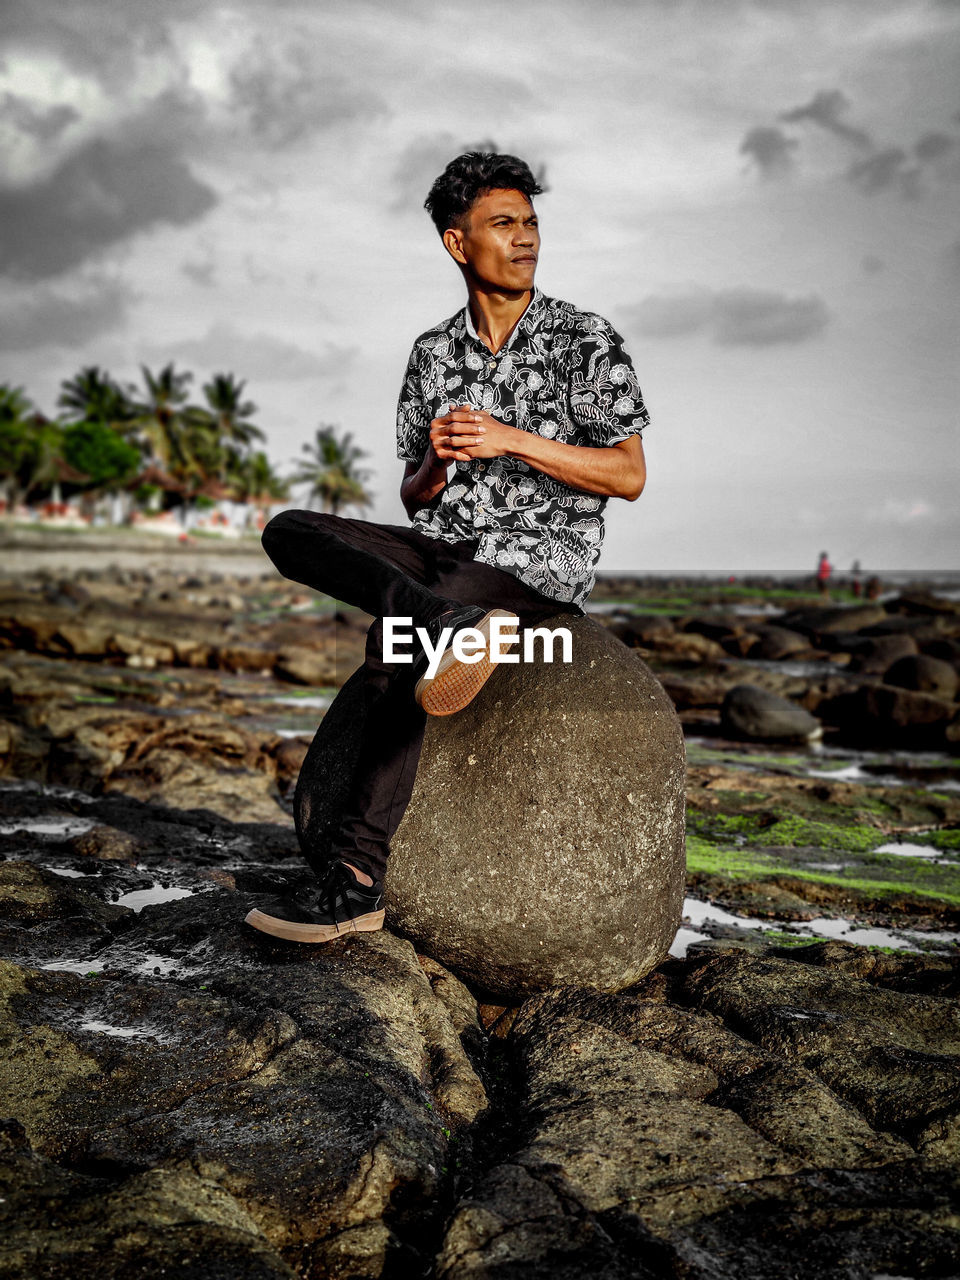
(330, 892)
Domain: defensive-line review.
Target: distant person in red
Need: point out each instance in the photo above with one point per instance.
(824, 570)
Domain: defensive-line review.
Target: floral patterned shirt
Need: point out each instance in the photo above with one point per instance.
(563, 374)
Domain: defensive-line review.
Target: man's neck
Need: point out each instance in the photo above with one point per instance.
(496, 315)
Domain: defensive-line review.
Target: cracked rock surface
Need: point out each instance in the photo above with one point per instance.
(737, 1115)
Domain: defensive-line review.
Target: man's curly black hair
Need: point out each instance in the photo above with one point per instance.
(472, 175)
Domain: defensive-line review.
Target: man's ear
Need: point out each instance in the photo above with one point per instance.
(453, 243)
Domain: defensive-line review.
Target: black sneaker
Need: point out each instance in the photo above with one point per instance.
(321, 910)
(457, 683)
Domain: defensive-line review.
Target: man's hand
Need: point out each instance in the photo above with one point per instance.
(617, 471)
(466, 433)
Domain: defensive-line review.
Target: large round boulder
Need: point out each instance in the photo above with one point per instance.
(544, 841)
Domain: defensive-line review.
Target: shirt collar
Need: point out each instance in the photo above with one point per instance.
(528, 321)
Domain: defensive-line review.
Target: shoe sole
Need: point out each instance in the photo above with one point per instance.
(294, 931)
(457, 683)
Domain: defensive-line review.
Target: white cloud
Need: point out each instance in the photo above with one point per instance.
(902, 511)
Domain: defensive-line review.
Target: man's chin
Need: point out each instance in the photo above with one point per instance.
(516, 283)
(520, 282)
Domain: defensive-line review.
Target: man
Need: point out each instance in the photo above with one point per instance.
(824, 570)
(535, 406)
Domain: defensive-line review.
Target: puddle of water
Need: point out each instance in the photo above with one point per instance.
(849, 932)
(829, 866)
(906, 850)
(312, 702)
(700, 913)
(850, 773)
(867, 936)
(684, 939)
(66, 871)
(747, 610)
(609, 606)
(52, 826)
(873, 776)
(140, 898)
(289, 733)
(922, 770)
(161, 967)
(44, 789)
(148, 966)
(81, 967)
(146, 1032)
(104, 1028)
(811, 669)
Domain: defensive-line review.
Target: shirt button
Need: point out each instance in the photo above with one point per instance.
(480, 467)
(491, 364)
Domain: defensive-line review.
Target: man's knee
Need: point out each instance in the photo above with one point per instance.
(275, 534)
(291, 524)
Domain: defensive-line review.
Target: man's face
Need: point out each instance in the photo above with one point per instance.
(500, 243)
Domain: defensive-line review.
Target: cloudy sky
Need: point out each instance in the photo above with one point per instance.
(762, 195)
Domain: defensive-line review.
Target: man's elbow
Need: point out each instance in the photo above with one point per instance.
(634, 485)
(411, 507)
(632, 471)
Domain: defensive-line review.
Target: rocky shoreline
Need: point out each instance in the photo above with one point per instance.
(185, 1097)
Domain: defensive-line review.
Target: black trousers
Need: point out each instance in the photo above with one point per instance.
(390, 571)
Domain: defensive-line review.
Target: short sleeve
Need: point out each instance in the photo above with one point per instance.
(413, 419)
(605, 397)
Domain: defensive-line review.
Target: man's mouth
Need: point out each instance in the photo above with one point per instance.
(526, 257)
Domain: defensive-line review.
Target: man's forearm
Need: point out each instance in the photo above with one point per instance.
(424, 485)
(610, 470)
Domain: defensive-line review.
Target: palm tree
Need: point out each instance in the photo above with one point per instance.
(255, 483)
(254, 480)
(331, 471)
(45, 465)
(231, 417)
(179, 439)
(163, 421)
(17, 417)
(31, 449)
(92, 396)
(99, 420)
